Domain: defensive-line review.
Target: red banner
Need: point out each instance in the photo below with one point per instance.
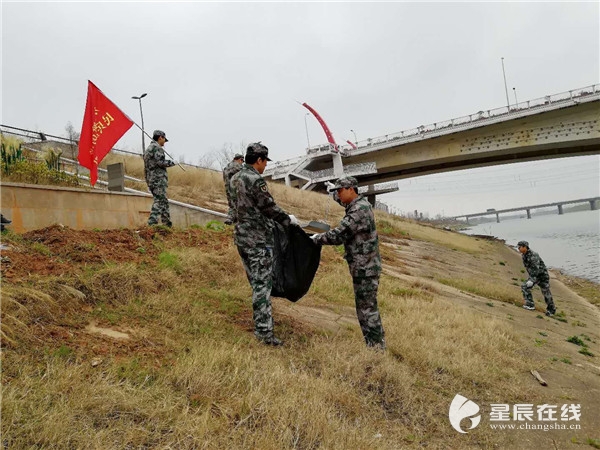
(103, 125)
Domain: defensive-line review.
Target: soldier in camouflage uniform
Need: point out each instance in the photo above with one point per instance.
(361, 244)
(255, 210)
(538, 274)
(155, 170)
(230, 170)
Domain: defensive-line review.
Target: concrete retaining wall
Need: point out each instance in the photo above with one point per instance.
(32, 207)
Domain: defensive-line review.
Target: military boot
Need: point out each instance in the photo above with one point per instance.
(4, 219)
(269, 339)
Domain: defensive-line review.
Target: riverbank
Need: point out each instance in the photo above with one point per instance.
(143, 338)
(569, 242)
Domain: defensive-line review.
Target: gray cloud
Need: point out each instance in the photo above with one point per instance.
(232, 72)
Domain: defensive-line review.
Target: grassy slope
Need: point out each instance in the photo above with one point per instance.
(190, 374)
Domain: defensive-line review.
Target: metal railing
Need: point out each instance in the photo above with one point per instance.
(318, 176)
(379, 187)
(41, 137)
(479, 118)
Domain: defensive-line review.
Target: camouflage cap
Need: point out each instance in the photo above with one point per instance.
(344, 182)
(159, 133)
(258, 149)
(523, 244)
(238, 156)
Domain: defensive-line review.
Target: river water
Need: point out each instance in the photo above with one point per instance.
(570, 242)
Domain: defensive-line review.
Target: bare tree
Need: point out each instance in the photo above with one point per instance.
(72, 134)
(217, 159)
(206, 160)
(73, 137)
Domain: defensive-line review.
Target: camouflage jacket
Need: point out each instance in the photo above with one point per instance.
(358, 234)
(254, 209)
(155, 164)
(535, 266)
(230, 170)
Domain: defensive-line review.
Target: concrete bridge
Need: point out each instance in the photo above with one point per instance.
(559, 125)
(594, 202)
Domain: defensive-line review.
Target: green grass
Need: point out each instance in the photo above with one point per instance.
(41, 248)
(63, 352)
(576, 340)
(171, 261)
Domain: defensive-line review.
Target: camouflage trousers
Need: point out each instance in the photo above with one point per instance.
(160, 206)
(545, 287)
(365, 295)
(258, 263)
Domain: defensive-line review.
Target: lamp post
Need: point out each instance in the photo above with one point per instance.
(505, 88)
(141, 114)
(515, 92)
(355, 140)
(306, 128)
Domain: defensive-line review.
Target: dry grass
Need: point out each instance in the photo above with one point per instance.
(204, 187)
(492, 289)
(192, 375)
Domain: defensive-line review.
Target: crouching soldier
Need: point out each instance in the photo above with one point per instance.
(538, 274)
(361, 243)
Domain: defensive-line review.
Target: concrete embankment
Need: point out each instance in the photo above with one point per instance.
(32, 207)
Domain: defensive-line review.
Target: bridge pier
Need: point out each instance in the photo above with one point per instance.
(560, 209)
(338, 166)
(497, 218)
(593, 205)
(528, 213)
(467, 220)
(371, 199)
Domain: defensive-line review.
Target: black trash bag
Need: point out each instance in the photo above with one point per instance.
(295, 262)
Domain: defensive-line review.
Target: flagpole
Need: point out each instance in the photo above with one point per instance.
(144, 131)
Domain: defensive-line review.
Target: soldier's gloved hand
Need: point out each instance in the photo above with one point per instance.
(529, 283)
(293, 220)
(315, 238)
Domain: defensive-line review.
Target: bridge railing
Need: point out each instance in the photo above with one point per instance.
(317, 176)
(379, 187)
(321, 149)
(282, 167)
(480, 117)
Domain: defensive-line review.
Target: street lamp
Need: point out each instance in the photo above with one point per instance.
(515, 92)
(306, 128)
(141, 114)
(505, 88)
(355, 140)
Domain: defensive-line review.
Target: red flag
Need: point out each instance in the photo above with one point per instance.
(103, 125)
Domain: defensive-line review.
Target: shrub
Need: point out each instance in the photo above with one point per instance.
(38, 173)
(11, 153)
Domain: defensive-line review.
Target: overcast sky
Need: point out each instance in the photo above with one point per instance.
(218, 73)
